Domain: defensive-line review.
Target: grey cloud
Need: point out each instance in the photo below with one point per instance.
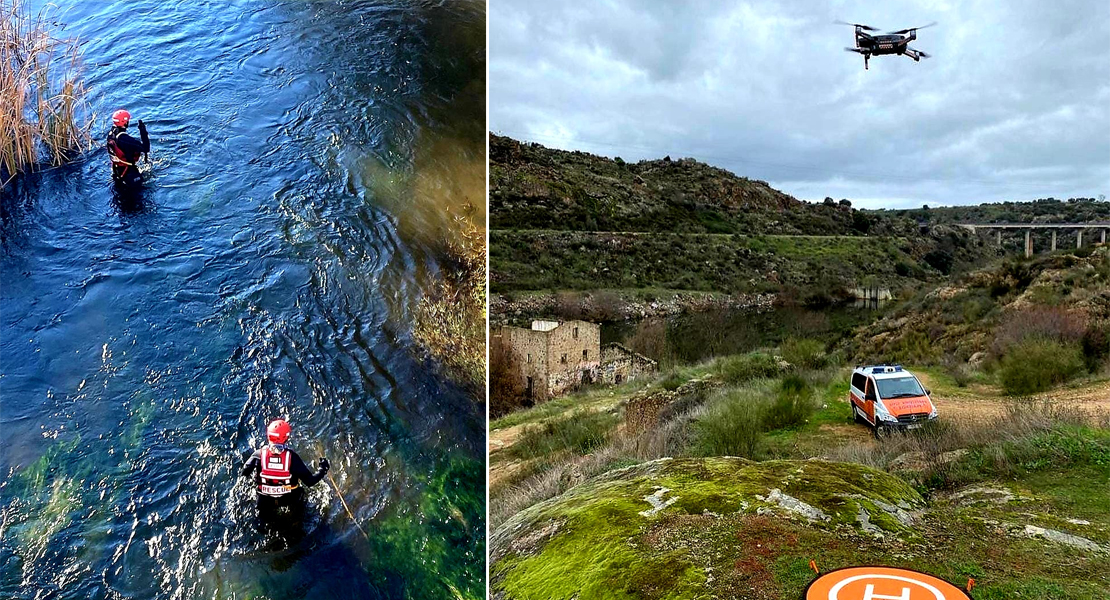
(1015, 103)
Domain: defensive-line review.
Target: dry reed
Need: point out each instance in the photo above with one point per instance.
(43, 105)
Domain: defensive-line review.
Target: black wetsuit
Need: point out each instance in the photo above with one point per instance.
(301, 476)
(126, 152)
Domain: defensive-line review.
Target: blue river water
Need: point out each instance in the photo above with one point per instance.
(308, 158)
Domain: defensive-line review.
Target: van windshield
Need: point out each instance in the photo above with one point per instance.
(899, 387)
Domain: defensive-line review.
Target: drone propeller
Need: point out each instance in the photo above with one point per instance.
(860, 25)
(901, 31)
(856, 50)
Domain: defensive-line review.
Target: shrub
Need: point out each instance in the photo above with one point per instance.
(940, 260)
(673, 381)
(957, 370)
(1035, 365)
(732, 426)
(579, 433)
(650, 339)
(607, 306)
(1095, 344)
(915, 347)
(792, 406)
(1040, 322)
(746, 367)
(804, 353)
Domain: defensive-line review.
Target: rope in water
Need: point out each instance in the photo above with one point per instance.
(349, 513)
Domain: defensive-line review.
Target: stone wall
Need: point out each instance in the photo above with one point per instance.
(648, 409)
(573, 356)
(620, 364)
(641, 413)
(527, 350)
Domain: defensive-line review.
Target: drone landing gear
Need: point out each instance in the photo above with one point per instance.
(865, 59)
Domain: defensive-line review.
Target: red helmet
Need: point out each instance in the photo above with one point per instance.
(278, 431)
(121, 118)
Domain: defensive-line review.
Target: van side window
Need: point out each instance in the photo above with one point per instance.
(870, 395)
(859, 381)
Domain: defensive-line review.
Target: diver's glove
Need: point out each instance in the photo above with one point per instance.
(324, 466)
(145, 139)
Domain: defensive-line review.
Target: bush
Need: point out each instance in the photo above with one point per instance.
(1095, 344)
(1034, 366)
(746, 367)
(915, 347)
(1040, 322)
(673, 381)
(733, 426)
(792, 406)
(579, 433)
(804, 353)
(940, 260)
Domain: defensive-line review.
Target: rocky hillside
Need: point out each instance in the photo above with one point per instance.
(571, 220)
(1063, 296)
(533, 187)
(1044, 210)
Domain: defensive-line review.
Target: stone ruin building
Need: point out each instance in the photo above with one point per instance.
(552, 358)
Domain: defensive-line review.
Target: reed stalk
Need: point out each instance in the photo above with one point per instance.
(43, 107)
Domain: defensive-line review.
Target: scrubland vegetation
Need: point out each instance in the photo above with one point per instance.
(1031, 323)
(765, 407)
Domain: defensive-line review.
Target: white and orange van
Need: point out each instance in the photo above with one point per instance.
(888, 397)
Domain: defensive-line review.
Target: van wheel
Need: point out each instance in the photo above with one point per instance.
(858, 417)
(878, 431)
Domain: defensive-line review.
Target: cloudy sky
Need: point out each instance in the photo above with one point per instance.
(1013, 105)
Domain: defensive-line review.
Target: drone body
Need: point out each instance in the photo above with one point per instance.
(895, 42)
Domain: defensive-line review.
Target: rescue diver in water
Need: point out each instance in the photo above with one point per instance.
(280, 474)
(125, 151)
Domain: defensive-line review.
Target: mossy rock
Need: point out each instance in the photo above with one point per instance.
(656, 529)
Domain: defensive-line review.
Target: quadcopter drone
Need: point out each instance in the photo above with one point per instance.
(894, 42)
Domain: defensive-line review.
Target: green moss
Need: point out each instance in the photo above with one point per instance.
(598, 548)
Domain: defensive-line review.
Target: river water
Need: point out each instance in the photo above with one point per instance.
(308, 161)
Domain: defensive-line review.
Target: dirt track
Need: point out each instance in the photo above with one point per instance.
(984, 406)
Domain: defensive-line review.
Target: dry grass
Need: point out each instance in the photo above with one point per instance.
(42, 100)
(930, 453)
(1002, 448)
(552, 477)
(451, 320)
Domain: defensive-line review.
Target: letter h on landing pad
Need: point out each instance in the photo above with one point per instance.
(869, 594)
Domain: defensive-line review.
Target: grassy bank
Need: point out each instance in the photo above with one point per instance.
(450, 321)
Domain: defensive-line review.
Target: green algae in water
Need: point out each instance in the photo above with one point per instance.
(33, 478)
(54, 515)
(437, 547)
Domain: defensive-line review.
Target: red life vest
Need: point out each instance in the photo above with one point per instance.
(277, 479)
(120, 162)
